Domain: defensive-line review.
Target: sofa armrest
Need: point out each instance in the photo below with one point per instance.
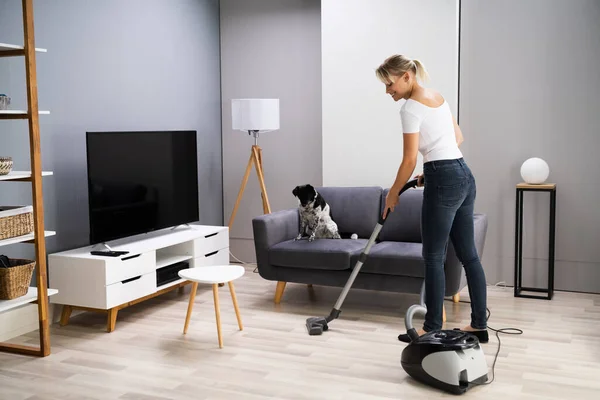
(270, 229)
(453, 267)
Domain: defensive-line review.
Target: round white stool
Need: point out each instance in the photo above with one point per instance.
(213, 275)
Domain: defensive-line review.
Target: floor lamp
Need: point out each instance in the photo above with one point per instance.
(254, 116)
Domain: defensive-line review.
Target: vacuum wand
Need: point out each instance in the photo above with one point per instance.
(317, 325)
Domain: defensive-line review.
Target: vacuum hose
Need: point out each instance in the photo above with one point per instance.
(410, 313)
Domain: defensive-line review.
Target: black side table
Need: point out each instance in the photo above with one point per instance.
(521, 188)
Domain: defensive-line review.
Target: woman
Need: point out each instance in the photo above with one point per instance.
(449, 189)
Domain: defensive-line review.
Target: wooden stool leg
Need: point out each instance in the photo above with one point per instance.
(190, 306)
(235, 305)
(215, 287)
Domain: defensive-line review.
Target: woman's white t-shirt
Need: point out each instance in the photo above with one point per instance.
(437, 140)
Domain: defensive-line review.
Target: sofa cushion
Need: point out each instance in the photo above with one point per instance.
(404, 223)
(329, 254)
(393, 258)
(354, 209)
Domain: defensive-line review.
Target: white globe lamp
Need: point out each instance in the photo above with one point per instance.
(535, 171)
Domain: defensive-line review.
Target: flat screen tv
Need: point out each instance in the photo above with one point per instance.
(140, 182)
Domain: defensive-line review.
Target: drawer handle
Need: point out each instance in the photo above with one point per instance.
(130, 257)
(211, 254)
(211, 235)
(135, 278)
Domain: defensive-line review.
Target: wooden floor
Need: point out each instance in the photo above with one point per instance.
(148, 357)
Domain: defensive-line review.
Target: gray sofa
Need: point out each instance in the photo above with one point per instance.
(395, 263)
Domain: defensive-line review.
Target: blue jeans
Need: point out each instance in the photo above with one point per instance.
(447, 213)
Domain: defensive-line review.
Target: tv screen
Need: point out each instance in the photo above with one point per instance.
(140, 182)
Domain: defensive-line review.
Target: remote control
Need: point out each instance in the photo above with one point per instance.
(108, 253)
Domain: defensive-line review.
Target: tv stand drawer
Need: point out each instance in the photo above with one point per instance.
(130, 289)
(218, 257)
(211, 242)
(128, 266)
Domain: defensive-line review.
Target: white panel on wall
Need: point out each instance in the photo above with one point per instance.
(362, 132)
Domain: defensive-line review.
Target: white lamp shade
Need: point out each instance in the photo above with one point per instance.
(255, 114)
(535, 171)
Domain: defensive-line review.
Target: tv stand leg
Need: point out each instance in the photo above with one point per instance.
(65, 315)
(111, 321)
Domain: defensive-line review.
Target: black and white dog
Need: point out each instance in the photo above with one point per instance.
(315, 215)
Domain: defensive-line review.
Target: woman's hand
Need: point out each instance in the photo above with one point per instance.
(391, 200)
(420, 180)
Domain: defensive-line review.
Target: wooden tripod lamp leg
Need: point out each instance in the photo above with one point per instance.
(242, 188)
(256, 159)
(257, 151)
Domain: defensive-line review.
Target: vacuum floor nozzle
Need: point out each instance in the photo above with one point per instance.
(316, 325)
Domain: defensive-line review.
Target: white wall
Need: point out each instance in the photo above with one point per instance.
(362, 133)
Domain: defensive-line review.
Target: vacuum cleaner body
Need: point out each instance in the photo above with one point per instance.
(449, 360)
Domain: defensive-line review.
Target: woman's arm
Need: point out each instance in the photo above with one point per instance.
(458, 133)
(407, 166)
(409, 161)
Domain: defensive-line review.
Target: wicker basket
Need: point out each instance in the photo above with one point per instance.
(15, 280)
(6, 165)
(15, 221)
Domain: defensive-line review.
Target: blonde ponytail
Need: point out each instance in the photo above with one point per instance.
(397, 65)
(420, 71)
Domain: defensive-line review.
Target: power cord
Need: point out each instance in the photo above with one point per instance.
(506, 331)
(244, 262)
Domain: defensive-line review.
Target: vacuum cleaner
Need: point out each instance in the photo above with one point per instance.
(450, 360)
(317, 325)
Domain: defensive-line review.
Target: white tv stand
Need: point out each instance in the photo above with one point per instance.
(109, 284)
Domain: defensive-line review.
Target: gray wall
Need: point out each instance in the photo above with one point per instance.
(529, 88)
(157, 67)
(271, 48)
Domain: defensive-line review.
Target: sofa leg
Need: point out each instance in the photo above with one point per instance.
(279, 292)
(456, 298)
